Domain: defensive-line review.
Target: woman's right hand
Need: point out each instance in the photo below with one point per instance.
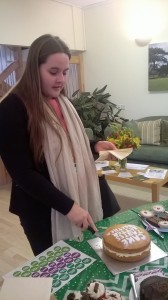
(80, 217)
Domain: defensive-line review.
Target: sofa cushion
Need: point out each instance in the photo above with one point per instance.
(132, 124)
(150, 132)
(164, 132)
(150, 153)
(152, 118)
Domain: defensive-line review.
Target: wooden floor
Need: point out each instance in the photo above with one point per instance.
(14, 247)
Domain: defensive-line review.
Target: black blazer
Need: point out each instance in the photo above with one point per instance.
(32, 191)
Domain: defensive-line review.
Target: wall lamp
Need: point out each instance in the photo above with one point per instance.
(142, 41)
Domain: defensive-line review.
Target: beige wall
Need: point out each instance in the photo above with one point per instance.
(23, 21)
(113, 58)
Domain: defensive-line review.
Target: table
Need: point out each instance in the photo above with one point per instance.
(153, 184)
(98, 270)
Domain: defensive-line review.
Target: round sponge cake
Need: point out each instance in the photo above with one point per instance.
(154, 287)
(126, 242)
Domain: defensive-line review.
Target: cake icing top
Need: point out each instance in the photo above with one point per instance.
(127, 234)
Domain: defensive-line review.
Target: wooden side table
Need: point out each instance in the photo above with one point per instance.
(4, 176)
(152, 183)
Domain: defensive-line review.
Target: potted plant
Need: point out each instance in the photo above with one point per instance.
(95, 110)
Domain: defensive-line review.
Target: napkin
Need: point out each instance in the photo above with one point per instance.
(118, 153)
(153, 272)
(18, 288)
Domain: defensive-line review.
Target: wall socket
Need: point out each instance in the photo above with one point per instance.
(121, 106)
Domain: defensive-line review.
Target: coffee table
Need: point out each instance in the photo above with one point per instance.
(153, 184)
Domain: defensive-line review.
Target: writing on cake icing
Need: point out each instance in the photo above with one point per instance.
(127, 234)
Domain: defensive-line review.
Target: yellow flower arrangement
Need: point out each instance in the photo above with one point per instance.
(123, 138)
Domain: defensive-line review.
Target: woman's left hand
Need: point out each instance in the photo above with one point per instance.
(104, 145)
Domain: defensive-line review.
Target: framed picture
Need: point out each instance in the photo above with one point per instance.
(158, 67)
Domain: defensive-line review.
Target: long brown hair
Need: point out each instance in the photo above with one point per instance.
(29, 87)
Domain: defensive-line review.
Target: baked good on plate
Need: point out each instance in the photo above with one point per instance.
(146, 213)
(97, 290)
(126, 242)
(158, 209)
(154, 288)
(163, 224)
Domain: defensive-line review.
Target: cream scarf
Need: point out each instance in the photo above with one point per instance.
(78, 181)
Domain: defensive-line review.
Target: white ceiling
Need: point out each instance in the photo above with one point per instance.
(81, 3)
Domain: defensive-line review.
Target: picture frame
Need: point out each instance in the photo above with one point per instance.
(158, 67)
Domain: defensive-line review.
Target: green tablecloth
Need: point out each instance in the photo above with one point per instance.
(98, 270)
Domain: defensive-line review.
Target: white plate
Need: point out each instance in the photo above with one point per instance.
(137, 285)
(162, 229)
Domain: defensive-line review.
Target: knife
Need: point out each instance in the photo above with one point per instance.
(96, 233)
(150, 226)
(132, 279)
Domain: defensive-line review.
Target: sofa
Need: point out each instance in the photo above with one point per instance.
(153, 132)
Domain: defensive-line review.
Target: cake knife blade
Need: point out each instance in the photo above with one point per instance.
(150, 226)
(96, 233)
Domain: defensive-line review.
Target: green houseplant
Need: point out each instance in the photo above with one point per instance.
(95, 110)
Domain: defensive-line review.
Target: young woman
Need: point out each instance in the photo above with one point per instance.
(55, 188)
